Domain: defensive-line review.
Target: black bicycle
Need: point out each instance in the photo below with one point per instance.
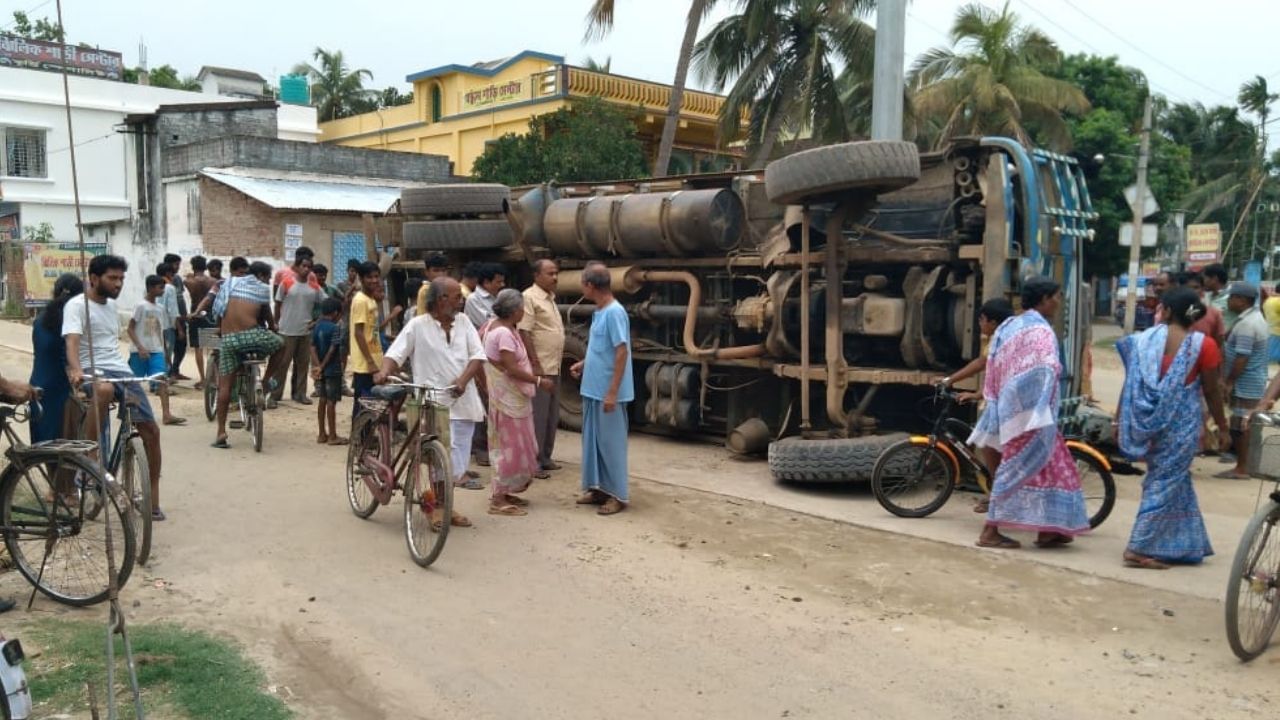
(127, 463)
(58, 511)
(916, 476)
(1253, 588)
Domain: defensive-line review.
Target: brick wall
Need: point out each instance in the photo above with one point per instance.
(291, 155)
(233, 223)
(14, 273)
(179, 127)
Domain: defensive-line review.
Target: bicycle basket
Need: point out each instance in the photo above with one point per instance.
(210, 338)
(1264, 447)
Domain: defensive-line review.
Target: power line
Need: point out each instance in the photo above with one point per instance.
(1151, 83)
(28, 12)
(1155, 59)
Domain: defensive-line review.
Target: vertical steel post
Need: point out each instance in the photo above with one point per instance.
(889, 77)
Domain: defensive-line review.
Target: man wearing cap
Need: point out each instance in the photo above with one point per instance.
(1246, 375)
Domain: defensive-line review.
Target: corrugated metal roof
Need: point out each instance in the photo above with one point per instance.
(283, 192)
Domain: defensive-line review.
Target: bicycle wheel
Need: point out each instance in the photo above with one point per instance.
(135, 482)
(1098, 486)
(259, 405)
(428, 493)
(211, 386)
(57, 545)
(1253, 588)
(912, 480)
(365, 441)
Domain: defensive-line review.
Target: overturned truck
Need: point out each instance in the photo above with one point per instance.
(804, 310)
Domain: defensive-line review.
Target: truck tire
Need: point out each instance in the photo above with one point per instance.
(457, 235)
(575, 349)
(458, 199)
(828, 461)
(822, 174)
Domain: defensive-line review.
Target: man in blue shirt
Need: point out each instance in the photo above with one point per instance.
(326, 369)
(607, 390)
(1245, 362)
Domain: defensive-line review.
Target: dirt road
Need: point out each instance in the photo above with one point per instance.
(690, 605)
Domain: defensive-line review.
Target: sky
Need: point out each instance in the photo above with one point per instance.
(1190, 52)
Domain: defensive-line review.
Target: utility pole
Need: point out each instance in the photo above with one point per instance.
(1139, 207)
(888, 79)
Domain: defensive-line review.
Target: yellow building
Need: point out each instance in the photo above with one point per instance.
(457, 109)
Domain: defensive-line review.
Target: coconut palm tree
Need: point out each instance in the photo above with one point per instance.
(990, 81)
(1255, 98)
(782, 58)
(594, 65)
(1224, 160)
(600, 22)
(336, 91)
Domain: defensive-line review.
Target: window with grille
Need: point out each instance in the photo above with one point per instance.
(24, 153)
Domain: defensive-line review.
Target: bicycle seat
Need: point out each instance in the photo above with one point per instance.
(389, 393)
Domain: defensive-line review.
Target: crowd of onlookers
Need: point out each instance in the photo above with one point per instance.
(494, 351)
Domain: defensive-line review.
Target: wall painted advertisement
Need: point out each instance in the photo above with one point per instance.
(42, 264)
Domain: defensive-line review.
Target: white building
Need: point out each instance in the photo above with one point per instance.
(231, 83)
(35, 168)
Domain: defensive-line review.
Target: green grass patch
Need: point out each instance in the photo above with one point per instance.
(190, 672)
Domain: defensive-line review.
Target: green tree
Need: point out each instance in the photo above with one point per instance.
(41, 29)
(600, 22)
(590, 142)
(336, 90)
(166, 76)
(591, 64)
(992, 82)
(1255, 98)
(783, 59)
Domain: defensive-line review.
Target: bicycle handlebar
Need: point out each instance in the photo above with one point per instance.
(393, 380)
(114, 381)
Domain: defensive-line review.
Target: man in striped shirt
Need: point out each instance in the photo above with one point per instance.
(1246, 374)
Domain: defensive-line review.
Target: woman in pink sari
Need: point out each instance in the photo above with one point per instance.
(513, 446)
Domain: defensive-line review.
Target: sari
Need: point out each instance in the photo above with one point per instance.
(1160, 422)
(1036, 486)
(513, 446)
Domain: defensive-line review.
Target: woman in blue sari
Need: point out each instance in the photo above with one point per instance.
(49, 369)
(1167, 369)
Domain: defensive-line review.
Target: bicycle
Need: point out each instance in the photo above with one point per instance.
(374, 473)
(1253, 587)
(52, 502)
(931, 466)
(210, 341)
(127, 463)
(248, 393)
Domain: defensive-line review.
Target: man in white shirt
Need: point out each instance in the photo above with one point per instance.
(444, 353)
(101, 325)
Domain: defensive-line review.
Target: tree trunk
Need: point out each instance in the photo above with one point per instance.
(660, 165)
(771, 130)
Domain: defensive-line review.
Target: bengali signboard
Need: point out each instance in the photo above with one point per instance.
(481, 97)
(39, 55)
(1203, 241)
(42, 264)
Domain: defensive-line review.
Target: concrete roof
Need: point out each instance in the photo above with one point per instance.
(306, 191)
(485, 69)
(229, 73)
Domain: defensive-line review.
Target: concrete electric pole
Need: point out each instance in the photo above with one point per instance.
(889, 78)
(1139, 207)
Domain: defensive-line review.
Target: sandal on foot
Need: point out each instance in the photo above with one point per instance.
(1144, 563)
(221, 443)
(516, 500)
(1002, 542)
(157, 515)
(591, 497)
(1054, 540)
(176, 421)
(612, 506)
(542, 475)
(460, 520)
(509, 510)
(471, 484)
(322, 439)
(1232, 475)
(338, 440)
(473, 474)
(982, 506)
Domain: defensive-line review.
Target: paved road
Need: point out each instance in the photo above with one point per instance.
(689, 605)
